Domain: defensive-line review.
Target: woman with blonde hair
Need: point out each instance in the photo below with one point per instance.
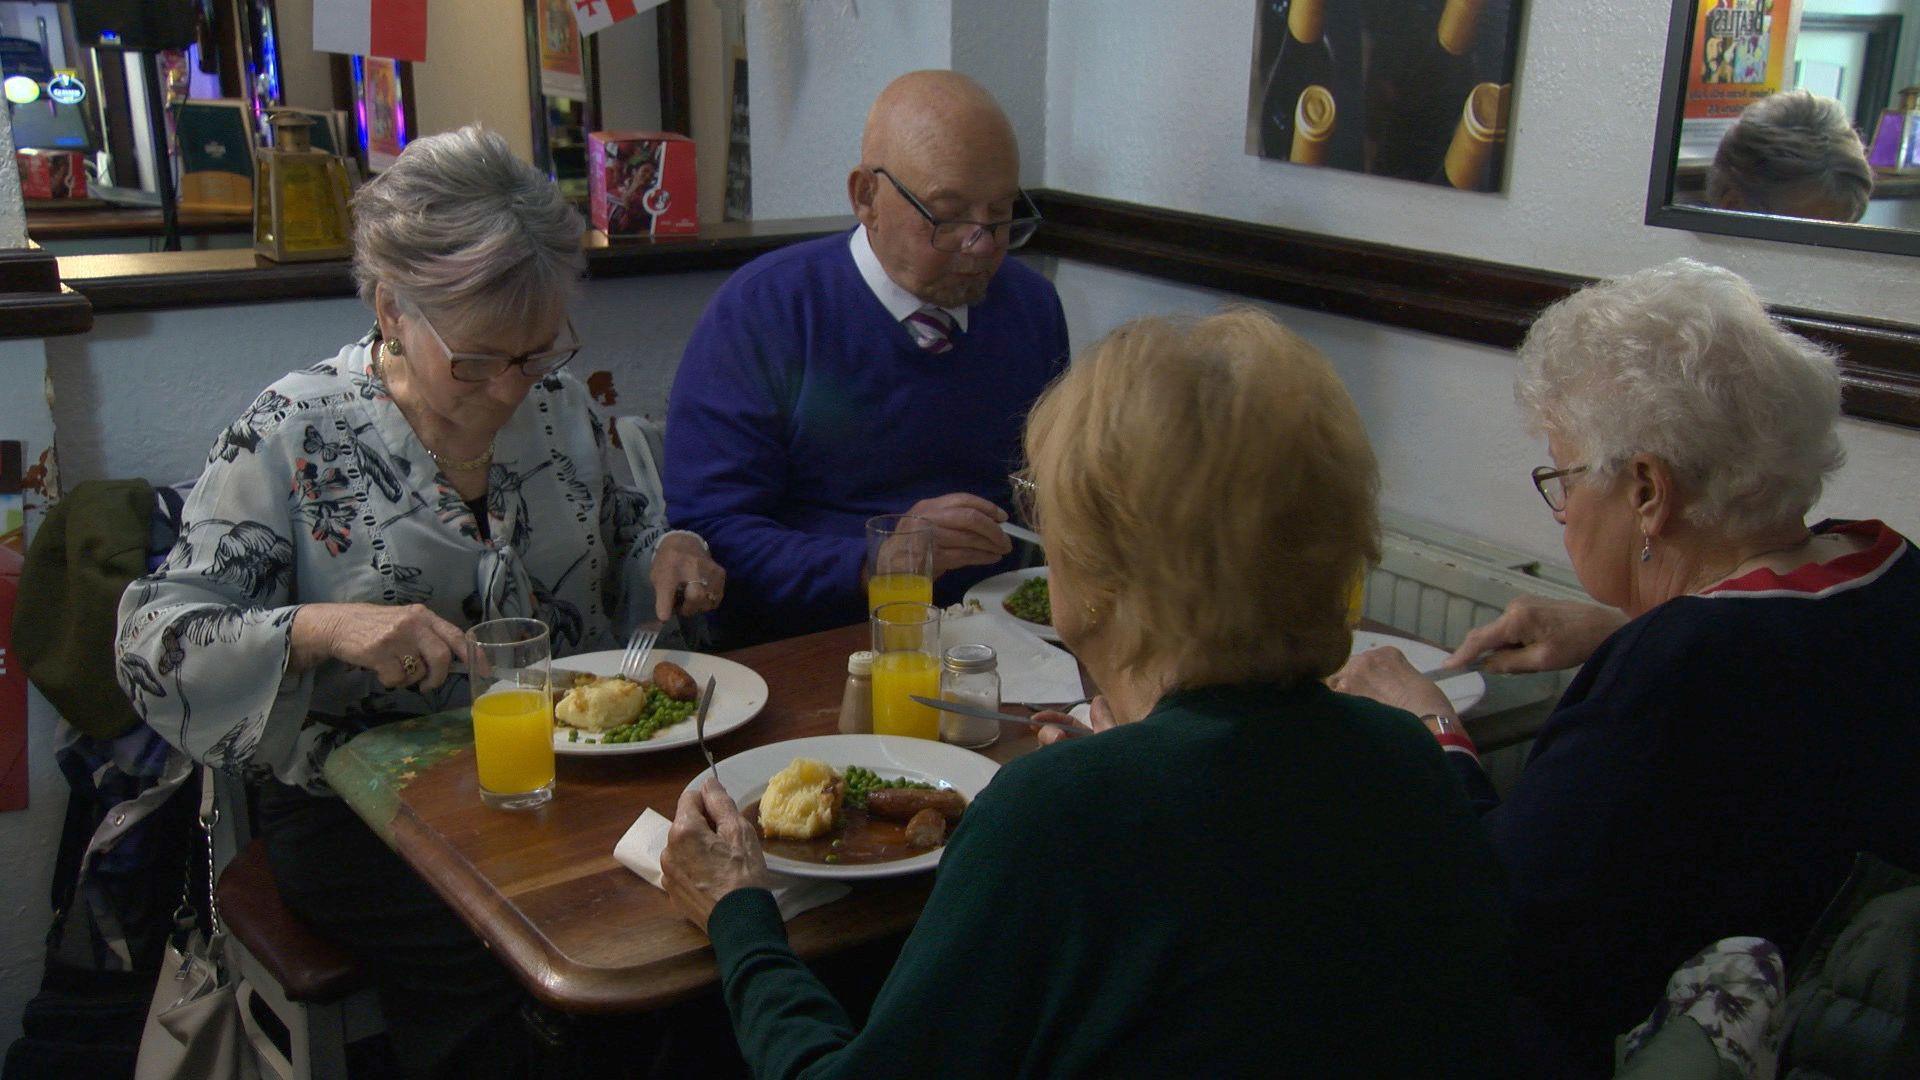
(1247, 872)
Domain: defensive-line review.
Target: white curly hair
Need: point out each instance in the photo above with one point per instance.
(1683, 362)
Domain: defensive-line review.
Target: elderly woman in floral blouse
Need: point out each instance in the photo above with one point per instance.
(436, 473)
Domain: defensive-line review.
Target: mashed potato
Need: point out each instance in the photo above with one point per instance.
(602, 704)
(801, 802)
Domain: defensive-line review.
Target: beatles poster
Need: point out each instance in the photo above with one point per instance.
(1741, 51)
(1415, 89)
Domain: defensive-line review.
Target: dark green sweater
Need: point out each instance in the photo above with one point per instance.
(1251, 880)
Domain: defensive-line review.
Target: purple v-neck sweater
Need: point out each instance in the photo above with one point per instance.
(802, 408)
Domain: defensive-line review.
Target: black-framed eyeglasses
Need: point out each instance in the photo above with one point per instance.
(1551, 483)
(483, 367)
(959, 235)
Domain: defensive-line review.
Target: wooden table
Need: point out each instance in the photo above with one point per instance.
(541, 887)
(582, 932)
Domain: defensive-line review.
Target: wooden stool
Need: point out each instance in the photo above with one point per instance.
(311, 984)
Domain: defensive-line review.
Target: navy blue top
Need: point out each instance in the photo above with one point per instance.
(1710, 772)
(802, 408)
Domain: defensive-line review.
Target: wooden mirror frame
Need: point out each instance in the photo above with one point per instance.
(1663, 212)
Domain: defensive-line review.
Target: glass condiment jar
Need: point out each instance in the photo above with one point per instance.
(970, 674)
(856, 703)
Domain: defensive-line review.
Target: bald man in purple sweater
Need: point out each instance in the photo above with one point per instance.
(884, 371)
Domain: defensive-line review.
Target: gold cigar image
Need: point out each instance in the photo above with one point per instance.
(1482, 128)
(1312, 126)
(1305, 20)
(1458, 24)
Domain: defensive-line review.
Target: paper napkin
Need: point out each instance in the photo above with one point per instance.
(1030, 669)
(639, 851)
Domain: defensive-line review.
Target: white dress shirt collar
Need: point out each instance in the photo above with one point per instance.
(899, 302)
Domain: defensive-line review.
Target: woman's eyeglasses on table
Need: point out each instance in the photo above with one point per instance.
(1551, 483)
(951, 236)
(482, 367)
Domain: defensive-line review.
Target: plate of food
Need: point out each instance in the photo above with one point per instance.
(1021, 594)
(854, 806)
(1464, 690)
(596, 711)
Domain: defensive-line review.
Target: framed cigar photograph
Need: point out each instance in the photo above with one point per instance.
(1414, 89)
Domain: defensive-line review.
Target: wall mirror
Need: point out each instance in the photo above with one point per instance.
(1724, 54)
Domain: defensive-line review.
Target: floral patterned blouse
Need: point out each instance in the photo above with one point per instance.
(321, 492)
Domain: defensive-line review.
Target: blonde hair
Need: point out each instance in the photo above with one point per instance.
(1207, 483)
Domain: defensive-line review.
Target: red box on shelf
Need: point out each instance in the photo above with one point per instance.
(52, 174)
(641, 183)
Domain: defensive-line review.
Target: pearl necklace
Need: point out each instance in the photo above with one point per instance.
(469, 465)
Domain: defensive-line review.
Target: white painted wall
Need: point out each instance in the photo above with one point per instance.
(1441, 416)
(817, 66)
(1146, 101)
(145, 393)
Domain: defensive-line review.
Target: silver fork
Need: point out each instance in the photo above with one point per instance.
(633, 662)
(700, 728)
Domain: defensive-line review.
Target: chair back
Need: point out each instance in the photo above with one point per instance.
(644, 440)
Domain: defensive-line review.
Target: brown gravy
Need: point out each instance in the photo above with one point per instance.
(859, 839)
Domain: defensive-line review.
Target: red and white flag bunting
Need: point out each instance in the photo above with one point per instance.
(596, 15)
(396, 29)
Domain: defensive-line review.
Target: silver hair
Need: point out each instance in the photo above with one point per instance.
(1787, 149)
(459, 226)
(1683, 362)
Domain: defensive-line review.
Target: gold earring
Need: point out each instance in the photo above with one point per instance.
(392, 345)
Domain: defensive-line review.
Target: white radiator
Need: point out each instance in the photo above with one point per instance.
(1436, 585)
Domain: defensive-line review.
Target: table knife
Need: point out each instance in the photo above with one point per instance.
(965, 709)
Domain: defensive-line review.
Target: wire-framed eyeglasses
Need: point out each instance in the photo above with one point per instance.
(1551, 483)
(482, 367)
(958, 235)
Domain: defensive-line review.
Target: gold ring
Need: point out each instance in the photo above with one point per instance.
(411, 666)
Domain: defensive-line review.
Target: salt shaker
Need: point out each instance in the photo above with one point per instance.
(971, 674)
(856, 703)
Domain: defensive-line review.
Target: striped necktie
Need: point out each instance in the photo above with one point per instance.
(932, 328)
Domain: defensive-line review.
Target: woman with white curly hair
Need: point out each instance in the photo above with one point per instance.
(1743, 721)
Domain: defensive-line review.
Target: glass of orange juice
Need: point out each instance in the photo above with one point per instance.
(899, 560)
(509, 665)
(906, 661)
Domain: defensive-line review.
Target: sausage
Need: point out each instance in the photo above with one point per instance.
(928, 829)
(673, 681)
(901, 804)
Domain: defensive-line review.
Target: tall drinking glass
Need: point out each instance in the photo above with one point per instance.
(906, 661)
(899, 560)
(509, 664)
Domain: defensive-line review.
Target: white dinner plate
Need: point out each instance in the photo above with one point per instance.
(739, 693)
(745, 777)
(1464, 690)
(993, 592)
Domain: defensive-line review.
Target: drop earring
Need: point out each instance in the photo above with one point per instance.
(1646, 547)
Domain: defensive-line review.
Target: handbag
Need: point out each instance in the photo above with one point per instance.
(193, 1029)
